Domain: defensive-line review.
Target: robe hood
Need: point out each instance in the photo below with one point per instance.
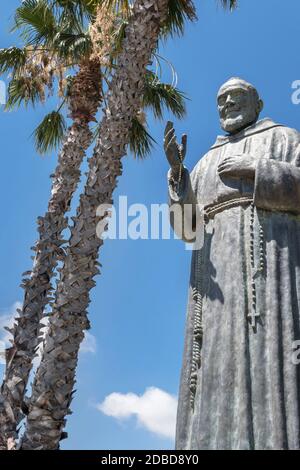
(259, 126)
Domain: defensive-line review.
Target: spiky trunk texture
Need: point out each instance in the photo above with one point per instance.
(55, 378)
(84, 101)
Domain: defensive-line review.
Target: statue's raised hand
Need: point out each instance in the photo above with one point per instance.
(175, 152)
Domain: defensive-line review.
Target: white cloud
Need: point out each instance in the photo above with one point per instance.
(89, 344)
(155, 410)
(7, 318)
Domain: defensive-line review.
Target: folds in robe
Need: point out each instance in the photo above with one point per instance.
(244, 391)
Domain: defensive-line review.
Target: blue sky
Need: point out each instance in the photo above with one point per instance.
(138, 307)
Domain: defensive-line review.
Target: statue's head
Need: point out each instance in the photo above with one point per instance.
(239, 105)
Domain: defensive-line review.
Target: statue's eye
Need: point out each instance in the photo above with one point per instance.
(222, 101)
(240, 94)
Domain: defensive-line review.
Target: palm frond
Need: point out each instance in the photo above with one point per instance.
(73, 47)
(12, 58)
(141, 142)
(231, 4)
(159, 96)
(118, 6)
(24, 90)
(179, 12)
(90, 7)
(49, 134)
(36, 21)
(119, 35)
(72, 13)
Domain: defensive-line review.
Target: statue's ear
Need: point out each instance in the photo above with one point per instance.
(260, 105)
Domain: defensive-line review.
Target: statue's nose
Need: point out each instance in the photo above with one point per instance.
(229, 100)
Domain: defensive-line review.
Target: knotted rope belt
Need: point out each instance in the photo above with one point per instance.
(212, 209)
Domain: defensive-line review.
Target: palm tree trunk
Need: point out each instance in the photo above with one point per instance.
(55, 378)
(84, 101)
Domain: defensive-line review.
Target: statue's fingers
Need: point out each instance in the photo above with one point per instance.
(223, 172)
(169, 127)
(172, 142)
(224, 168)
(222, 165)
(170, 134)
(169, 137)
(171, 146)
(227, 160)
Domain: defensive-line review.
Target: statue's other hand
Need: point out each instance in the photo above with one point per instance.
(238, 166)
(175, 152)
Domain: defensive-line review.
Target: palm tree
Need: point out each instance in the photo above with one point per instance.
(33, 69)
(55, 40)
(54, 381)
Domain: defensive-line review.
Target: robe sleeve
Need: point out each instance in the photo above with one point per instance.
(277, 182)
(183, 206)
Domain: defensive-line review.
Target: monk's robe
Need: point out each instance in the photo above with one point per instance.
(240, 381)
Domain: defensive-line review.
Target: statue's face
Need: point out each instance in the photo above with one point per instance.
(238, 108)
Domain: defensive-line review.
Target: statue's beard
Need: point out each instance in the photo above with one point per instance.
(237, 123)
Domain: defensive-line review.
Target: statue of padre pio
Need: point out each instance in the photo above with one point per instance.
(240, 379)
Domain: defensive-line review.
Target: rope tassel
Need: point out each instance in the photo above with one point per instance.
(198, 329)
(254, 314)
